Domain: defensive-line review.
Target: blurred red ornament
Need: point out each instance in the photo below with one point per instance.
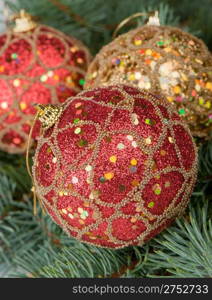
(116, 168)
(38, 64)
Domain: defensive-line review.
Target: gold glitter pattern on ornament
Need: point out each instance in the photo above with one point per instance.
(82, 212)
(163, 59)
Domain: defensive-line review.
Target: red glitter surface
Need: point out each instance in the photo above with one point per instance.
(112, 181)
(40, 66)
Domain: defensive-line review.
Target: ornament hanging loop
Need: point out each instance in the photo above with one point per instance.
(48, 115)
(153, 20)
(28, 164)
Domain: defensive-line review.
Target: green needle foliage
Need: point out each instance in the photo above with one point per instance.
(33, 246)
(185, 250)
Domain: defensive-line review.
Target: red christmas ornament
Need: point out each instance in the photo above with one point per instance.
(116, 168)
(38, 64)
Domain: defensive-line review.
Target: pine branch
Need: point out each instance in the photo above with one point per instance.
(34, 246)
(184, 250)
(67, 10)
(75, 261)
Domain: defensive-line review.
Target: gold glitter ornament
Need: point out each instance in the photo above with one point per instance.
(164, 60)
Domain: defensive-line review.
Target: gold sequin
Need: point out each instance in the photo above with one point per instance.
(86, 203)
(109, 175)
(135, 119)
(113, 159)
(148, 141)
(78, 104)
(77, 130)
(162, 152)
(177, 89)
(148, 52)
(209, 86)
(70, 216)
(56, 77)
(207, 104)
(135, 182)
(138, 208)
(170, 99)
(131, 76)
(137, 42)
(70, 186)
(23, 105)
(4, 105)
(133, 162)
(170, 140)
(16, 82)
(73, 49)
(54, 160)
(133, 220)
(134, 144)
(80, 210)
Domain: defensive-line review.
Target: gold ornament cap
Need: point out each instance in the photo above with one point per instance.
(48, 114)
(23, 22)
(154, 20)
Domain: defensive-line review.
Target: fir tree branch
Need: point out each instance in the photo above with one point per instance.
(36, 247)
(67, 10)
